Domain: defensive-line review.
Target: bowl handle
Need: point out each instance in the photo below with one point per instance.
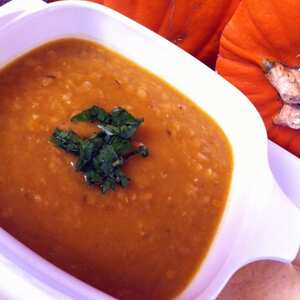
(14, 8)
(286, 169)
(277, 233)
(281, 218)
(273, 234)
(278, 237)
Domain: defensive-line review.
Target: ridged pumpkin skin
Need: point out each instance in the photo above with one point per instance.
(194, 25)
(258, 30)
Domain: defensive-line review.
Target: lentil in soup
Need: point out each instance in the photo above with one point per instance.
(145, 241)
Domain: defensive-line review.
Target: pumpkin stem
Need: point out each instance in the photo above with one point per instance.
(286, 81)
(267, 65)
(289, 116)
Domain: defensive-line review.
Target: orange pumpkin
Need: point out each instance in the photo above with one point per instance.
(194, 25)
(261, 31)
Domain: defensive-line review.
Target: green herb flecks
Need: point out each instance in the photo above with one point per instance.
(92, 114)
(102, 155)
(67, 140)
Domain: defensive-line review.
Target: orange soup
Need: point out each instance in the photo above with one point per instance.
(145, 241)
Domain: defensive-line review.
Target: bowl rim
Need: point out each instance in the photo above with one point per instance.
(259, 139)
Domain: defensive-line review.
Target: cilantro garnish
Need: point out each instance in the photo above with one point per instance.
(102, 155)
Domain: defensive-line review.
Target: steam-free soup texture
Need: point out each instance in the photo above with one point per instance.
(142, 242)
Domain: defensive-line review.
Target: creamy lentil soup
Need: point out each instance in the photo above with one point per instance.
(145, 241)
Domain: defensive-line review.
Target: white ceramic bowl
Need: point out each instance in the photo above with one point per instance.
(258, 222)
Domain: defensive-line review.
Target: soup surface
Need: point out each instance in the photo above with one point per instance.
(142, 242)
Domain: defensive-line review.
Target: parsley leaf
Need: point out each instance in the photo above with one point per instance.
(102, 155)
(88, 148)
(67, 140)
(126, 122)
(92, 114)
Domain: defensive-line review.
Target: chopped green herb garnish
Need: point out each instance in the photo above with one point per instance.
(102, 155)
(92, 114)
(67, 140)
